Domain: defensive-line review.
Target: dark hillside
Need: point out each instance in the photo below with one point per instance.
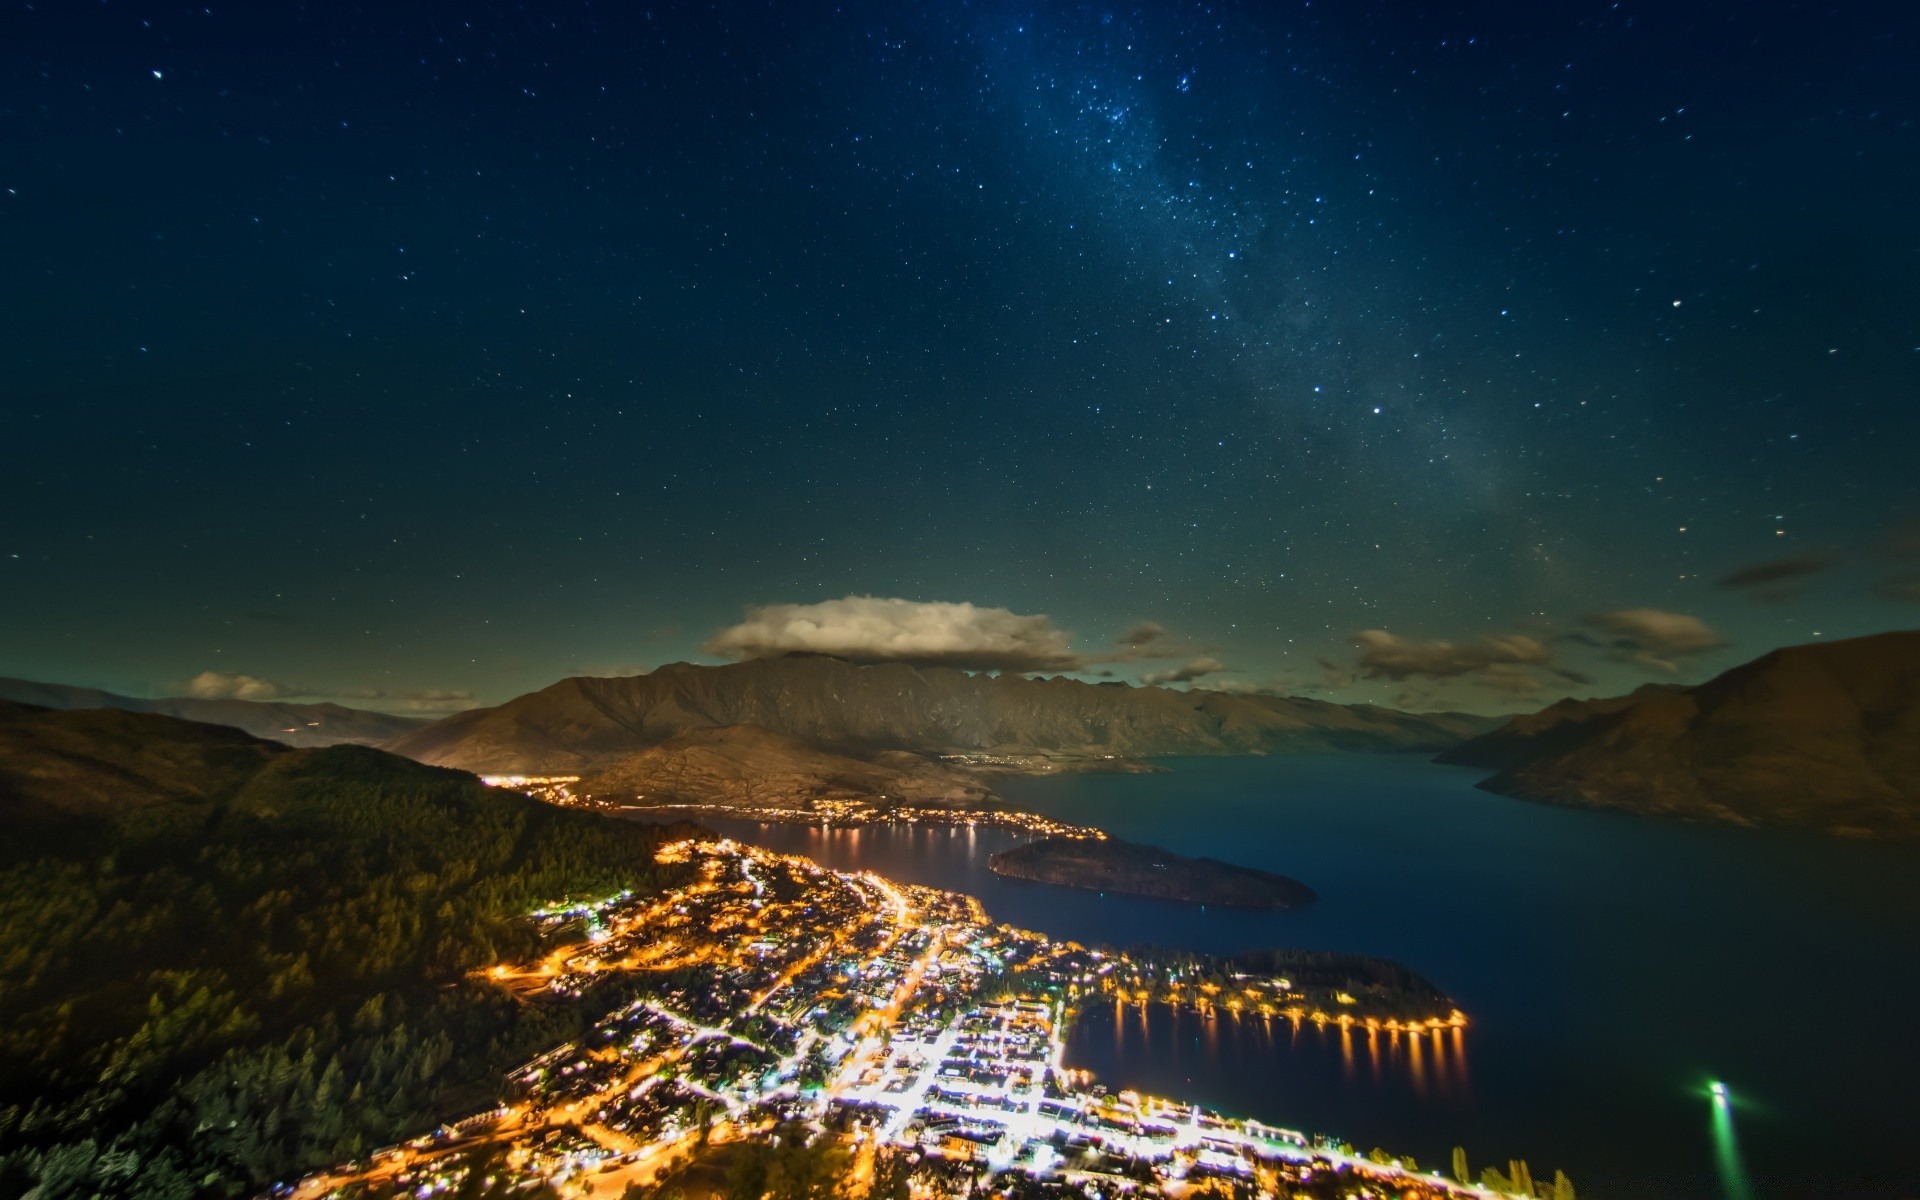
(224, 961)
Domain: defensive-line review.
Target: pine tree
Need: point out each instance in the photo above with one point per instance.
(1461, 1171)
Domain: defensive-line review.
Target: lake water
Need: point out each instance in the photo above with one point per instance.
(1611, 967)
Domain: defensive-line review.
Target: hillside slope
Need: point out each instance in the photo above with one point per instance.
(1823, 736)
(225, 961)
(104, 762)
(581, 723)
(1555, 727)
(280, 721)
(748, 767)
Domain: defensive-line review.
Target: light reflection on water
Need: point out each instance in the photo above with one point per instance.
(1607, 965)
(1115, 1036)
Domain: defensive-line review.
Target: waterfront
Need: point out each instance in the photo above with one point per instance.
(1611, 966)
(770, 1000)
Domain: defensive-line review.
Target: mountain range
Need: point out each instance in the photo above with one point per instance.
(280, 721)
(1823, 736)
(750, 767)
(586, 724)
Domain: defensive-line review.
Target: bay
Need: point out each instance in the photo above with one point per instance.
(1611, 966)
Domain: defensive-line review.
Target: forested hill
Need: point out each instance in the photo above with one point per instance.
(223, 961)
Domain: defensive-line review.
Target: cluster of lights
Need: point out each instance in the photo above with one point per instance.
(894, 957)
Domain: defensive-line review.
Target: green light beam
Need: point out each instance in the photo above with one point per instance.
(1726, 1145)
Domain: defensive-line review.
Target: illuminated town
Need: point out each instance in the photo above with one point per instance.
(773, 997)
(852, 814)
(828, 812)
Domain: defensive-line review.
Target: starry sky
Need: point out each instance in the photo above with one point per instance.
(1442, 354)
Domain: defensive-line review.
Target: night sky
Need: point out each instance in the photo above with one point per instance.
(1437, 354)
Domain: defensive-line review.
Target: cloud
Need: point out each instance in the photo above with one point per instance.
(230, 685)
(1902, 540)
(424, 700)
(1333, 677)
(883, 629)
(1193, 669)
(1385, 655)
(1150, 641)
(612, 670)
(1905, 589)
(1414, 699)
(1247, 687)
(1776, 579)
(1654, 638)
(1509, 680)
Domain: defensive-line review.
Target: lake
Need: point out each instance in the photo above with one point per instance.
(1611, 967)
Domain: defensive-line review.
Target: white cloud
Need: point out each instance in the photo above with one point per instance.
(423, 700)
(1654, 638)
(884, 629)
(230, 685)
(1385, 655)
(1196, 668)
(1142, 634)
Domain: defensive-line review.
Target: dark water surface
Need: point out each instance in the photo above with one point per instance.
(1611, 967)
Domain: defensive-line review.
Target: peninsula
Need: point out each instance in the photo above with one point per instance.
(1818, 737)
(1112, 865)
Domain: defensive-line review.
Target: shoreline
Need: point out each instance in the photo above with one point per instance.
(857, 816)
(721, 1001)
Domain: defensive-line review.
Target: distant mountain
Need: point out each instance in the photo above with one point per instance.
(1555, 727)
(1823, 736)
(749, 767)
(292, 724)
(58, 764)
(582, 723)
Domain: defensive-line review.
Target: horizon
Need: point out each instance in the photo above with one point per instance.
(1189, 686)
(1456, 357)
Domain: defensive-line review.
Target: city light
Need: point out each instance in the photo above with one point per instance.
(770, 990)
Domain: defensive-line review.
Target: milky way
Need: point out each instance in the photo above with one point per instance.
(443, 349)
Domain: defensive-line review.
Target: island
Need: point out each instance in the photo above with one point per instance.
(1112, 865)
(619, 1010)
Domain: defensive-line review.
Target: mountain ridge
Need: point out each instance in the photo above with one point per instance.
(749, 767)
(581, 722)
(57, 764)
(1527, 735)
(1821, 736)
(289, 722)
